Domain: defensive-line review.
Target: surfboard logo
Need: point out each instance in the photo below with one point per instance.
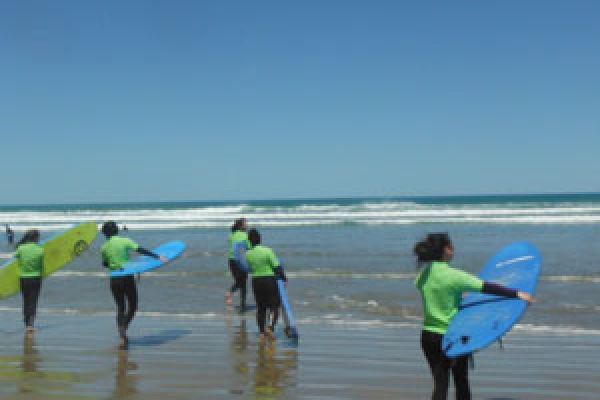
(79, 247)
(513, 260)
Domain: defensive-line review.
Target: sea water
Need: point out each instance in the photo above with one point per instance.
(349, 261)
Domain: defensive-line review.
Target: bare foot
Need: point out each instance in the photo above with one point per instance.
(228, 299)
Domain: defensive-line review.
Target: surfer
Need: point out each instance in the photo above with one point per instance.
(30, 256)
(115, 253)
(10, 235)
(265, 268)
(237, 237)
(441, 288)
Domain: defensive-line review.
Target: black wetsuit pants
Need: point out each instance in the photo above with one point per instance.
(240, 278)
(124, 292)
(30, 290)
(266, 294)
(440, 366)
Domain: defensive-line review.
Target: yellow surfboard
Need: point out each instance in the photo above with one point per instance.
(59, 251)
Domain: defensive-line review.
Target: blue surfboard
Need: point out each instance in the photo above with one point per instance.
(142, 264)
(483, 318)
(286, 310)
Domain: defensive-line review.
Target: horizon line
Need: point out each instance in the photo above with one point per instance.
(324, 198)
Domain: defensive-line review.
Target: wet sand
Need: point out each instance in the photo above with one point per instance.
(76, 357)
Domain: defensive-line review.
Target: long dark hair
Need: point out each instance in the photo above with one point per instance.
(30, 236)
(238, 225)
(432, 248)
(254, 237)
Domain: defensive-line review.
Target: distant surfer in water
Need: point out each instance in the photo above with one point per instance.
(237, 237)
(441, 288)
(115, 253)
(10, 235)
(30, 256)
(265, 269)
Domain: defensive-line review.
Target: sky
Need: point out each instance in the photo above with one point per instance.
(104, 101)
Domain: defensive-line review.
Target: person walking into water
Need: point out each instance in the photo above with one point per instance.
(265, 268)
(441, 288)
(115, 253)
(237, 237)
(30, 256)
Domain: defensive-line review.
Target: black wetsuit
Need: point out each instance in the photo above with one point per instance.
(30, 291)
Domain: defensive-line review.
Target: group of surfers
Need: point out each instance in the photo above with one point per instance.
(441, 287)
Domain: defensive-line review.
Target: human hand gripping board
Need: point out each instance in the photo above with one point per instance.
(59, 250)
(142, 264)
(291, 331)
(483, 318)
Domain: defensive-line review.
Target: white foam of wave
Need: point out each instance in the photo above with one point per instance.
(350, 275)
(307, 215)
(6, 255)
(572, 278)
(556, 329)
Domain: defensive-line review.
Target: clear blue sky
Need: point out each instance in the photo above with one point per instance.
(183, 100)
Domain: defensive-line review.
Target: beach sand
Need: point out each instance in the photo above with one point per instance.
(76, 357)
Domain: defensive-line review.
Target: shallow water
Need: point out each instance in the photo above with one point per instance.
(356, 270)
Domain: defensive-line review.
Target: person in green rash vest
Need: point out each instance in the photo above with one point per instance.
(30, 256)
(265, 269)
(115, 253)
(442, 287)
(238, 236)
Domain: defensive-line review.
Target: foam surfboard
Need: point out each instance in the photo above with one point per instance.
(290, 329)
(483, 318)
(142, 264)
(59, 250)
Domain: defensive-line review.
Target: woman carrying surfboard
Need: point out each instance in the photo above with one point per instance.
(265, 269)
(238, 237)
(441, 288)
(115, 253)
(30, 256)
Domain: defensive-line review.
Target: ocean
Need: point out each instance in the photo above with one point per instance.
(349, 261)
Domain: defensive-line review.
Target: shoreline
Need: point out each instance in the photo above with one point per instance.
(76, 357)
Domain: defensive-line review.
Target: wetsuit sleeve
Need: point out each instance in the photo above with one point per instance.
(104, 259)
(464, 282)
(498, 290)
(148, 253)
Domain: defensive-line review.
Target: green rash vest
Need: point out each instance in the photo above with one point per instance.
(115, 252)
(237, 237)
(31, 260)
(441, 288)
(262, 261)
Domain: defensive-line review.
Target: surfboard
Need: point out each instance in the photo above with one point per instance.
(142, 264)
(59, 250)
(484, 319)
(290, 329)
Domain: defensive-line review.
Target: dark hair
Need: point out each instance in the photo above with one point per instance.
(254, 236)
(432, 247)
(31, 236)
(238, 225)
(110, 228)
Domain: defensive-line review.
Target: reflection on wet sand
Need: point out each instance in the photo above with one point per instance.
(275, 371)
(274, 364)
(125, 383)
(29, 365)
